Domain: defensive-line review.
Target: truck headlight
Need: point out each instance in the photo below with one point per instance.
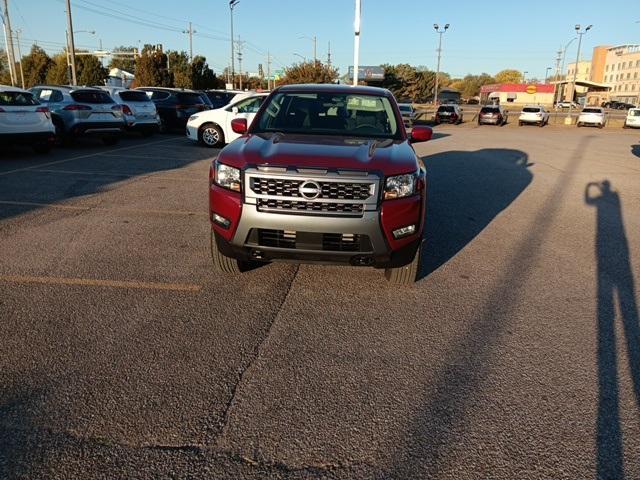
(228, 177)
(400, 186)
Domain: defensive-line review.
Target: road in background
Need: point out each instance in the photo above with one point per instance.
(515, 356)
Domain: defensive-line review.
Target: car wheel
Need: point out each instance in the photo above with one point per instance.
(406, 275)
(224, 264)
(601, 125)
(519, 124)
(578, 124)
(110, 140)
(211, 135)
(42, 147)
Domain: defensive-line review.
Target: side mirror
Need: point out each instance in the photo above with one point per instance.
(421, 133)
(239, 125)
(234, 110)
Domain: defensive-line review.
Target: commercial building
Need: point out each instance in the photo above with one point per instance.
(518, 94)
(622, 73)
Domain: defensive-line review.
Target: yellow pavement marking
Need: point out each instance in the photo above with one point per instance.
(89, 155)
(92, 282)
(102, 209)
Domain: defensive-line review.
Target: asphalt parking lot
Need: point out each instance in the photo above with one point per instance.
(517, 355)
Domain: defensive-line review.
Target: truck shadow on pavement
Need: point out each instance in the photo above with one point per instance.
(615, 281)
(466, 191)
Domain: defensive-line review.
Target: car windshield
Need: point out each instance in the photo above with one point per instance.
(342, 114)
(219, 99)
(591, 110)
(531, 110)
(405, 108)
(17, 99)
(634, 113)
(446, 109)
(489, 110)
(134, 96)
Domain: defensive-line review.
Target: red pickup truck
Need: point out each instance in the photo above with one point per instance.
(324, 174)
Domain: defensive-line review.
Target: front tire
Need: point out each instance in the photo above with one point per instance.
(408, 274)
(221, 263)
(211, 135)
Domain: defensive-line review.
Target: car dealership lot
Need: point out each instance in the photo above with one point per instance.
(516, 356)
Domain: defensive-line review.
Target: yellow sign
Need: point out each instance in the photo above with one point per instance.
(531, 89)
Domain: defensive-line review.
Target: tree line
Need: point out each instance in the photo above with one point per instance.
(152, 68)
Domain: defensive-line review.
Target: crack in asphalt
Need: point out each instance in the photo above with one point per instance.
(256, 353)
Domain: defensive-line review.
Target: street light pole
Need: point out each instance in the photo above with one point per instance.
(314, 39)
(524, 76)
(575, 70)
(356, 42)
(18, 32)
(440, 32)
(564, 57)
(232, 3)
(304, 59)
(546, 74)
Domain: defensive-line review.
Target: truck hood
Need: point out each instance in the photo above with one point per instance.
(391, 157)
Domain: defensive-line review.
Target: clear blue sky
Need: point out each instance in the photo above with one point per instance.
(485, 36)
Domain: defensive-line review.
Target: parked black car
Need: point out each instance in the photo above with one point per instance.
(175, 105)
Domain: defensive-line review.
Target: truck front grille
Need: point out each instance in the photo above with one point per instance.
(283, 187)
(333, 242)
(291, 206)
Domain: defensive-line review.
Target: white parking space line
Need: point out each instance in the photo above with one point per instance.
(89, 155)
(93, 282)
(156, 176)
(157, 157)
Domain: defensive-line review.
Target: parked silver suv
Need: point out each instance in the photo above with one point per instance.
(78, 111)
(140, 114)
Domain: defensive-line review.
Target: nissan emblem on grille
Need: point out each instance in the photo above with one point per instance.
(310, 190)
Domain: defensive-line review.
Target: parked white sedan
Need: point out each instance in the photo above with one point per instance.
(633, 118)
(212, 128)
(594, 116)
(534, 114)
(24, 120)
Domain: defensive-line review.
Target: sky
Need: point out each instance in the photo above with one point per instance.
(484, 36)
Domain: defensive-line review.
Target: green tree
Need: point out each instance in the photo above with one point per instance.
(125, 62)
(35, 66)
(203, 77)
(5, 76)
(409, 83)
(469, 86)
(151, 69)
(309, 72)
(58, 72)
(508, 76)
(89, 70)
(180, 69)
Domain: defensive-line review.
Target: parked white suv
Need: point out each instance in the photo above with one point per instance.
(139, 112)
(594, 116)
(24, 120)
(633, 118)
(534, 114)
(212, 128)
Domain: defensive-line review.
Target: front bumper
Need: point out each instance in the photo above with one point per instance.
(191, 132)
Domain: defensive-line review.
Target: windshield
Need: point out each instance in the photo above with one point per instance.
(634, 113)
(591, 110)
(91, 96)
(405, 108)
(329, 114)
(531, 110)
(489, 110)
(133, 96)
(446, 109)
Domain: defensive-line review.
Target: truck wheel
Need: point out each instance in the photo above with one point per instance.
(222, 263)
(406, 275)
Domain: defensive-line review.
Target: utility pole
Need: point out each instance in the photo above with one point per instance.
(190, 32)
(18, 32)
(575, 71)
(356, 42)
(440, 32)
(72, 46)
(268, 70)
(556, 96)
(232, 3)
(9, 38)
(240, 43)
(329, 55)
